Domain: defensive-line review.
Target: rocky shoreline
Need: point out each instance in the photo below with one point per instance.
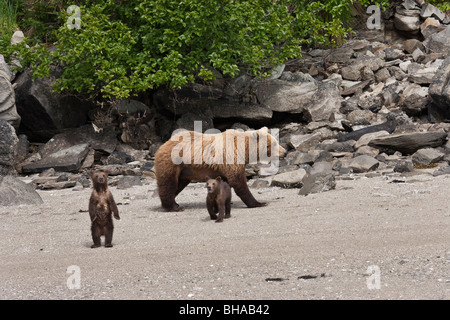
(379, 104)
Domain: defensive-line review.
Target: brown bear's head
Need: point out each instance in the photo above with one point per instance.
(213, 184)
(99, 178)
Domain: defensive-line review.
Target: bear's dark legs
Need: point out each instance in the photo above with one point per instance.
(182, 183)
(167, 191)
(96, 233)
(227, 209)
(221, 209)
(243, 192)
(212, 209)
(108, 235)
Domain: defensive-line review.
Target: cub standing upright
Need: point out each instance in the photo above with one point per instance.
(101, 208)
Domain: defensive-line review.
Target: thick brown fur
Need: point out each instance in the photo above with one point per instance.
(172, 178)
(101, 208)
(218, 199)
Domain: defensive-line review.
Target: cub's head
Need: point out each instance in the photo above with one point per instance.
(212, 185)
(99, 178)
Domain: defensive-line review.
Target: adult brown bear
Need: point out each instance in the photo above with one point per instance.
(191, 156)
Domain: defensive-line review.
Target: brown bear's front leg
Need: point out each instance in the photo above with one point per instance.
(242, 191)
(212, 208)
(221, 212)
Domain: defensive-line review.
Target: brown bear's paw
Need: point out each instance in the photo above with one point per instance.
(257, 204)
(108, 245)
(227, 216)
(95, 246)
(219, 220)
(213, 217)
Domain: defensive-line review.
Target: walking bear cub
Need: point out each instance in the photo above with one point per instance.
(218, 199)
(101, 208)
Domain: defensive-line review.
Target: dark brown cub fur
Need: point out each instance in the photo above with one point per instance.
(101, 205)
(218, 199)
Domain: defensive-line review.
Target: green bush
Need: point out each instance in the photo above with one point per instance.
(127, 47)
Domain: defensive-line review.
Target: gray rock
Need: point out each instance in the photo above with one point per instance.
(412, 44)
(304, 142)
(128, 182)
(404, 166)
(439, 89)
(365, 139)
(8, 148)
(408, 143)
(363, 163)
(298, 157)
(427, 156)
(407, 19)
(355, 69)
(421, 74)
(291, 179)
(340, 55)
(430, 27)
(414, 104)
(428, 10)
(440, 41)
(319, 179)
(68, 159)
(119, 158)
(104, 141)
(14, 192)
(284, 96)
(326, 101)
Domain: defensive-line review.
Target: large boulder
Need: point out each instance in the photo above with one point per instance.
(44, 112)
(407, 17)
(327, 101)
(66, 151)
(8, 148)
(285, 96)
(14, 192)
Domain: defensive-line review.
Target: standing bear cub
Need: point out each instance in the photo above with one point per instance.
(218, 199)
(101, 208)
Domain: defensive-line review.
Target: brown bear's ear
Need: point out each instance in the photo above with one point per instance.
(207, 178)
(219, 178)
(106, 172)
(91, 173)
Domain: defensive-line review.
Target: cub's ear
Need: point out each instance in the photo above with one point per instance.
(219, 178)
(91, 173)
(207, 178)
(106, 172)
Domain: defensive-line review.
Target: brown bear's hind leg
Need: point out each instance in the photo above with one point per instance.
(243, 192)
(227, 209)
(108, 236)
(96, 233)
(167, 193)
